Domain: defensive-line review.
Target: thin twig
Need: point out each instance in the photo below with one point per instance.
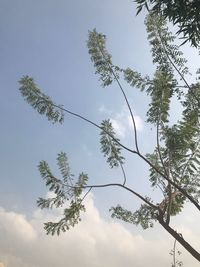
(86, 194)
(124, 174)
(174, 253)
(158, 145)
(125, 97)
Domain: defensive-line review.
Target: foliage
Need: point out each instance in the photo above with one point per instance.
(175, 162)
(39, 101)
(183, 13)
(109, 146)
(174, 253)
(144, 216)
(63, 190)
(100, 57)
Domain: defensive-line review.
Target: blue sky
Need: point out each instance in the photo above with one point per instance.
(47, 40)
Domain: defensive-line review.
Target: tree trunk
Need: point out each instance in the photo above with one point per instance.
(180, 239)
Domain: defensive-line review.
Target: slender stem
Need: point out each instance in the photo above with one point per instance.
(174, 253)
(86, 193)
(179, 238)
(170, 191)
(158, 146)
(124, 174)
(125, 97)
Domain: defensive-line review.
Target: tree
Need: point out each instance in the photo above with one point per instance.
(174, 164)
(183, 13)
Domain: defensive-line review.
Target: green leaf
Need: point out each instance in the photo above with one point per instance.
(109, 145)
(101, 58)
(39, 101)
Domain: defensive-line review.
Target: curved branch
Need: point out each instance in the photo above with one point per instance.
(158, 146)
(122, 186)
(86, 194)
(124, 174)
(125, 97)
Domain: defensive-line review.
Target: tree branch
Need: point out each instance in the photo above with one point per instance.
(158, 145)
(183, 191)
(134, 152)
(125, 97)
(180, 239)
(94, 124)
(122, 186)
(124, 174)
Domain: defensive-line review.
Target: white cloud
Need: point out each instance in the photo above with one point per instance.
(93, 243)
(119, 128)
(17, 225)
(122, 121)
(138, 121)
(104, 110)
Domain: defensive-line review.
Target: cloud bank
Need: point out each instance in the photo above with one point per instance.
(93, 243)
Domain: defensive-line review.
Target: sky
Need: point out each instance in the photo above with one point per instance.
(47, 40)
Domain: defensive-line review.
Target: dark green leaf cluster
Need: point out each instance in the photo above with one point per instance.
(39, 101)
(109, 145)
(177, 204)
(183, 13)
(161, 92)
(65, 189)
(143, 217)
(100, 57)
